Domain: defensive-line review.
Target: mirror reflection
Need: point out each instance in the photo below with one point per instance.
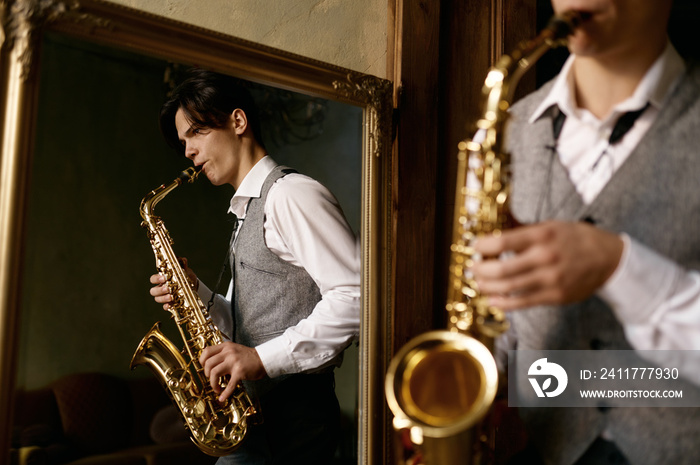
(86, 302)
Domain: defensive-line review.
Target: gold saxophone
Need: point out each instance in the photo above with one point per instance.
(442, 384)
(216, 428)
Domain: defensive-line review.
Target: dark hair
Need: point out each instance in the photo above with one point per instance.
(207, 99)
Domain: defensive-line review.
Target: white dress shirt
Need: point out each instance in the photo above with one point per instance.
(656, 300)
(305, 226)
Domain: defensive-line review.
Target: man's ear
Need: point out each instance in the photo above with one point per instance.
(239, 120)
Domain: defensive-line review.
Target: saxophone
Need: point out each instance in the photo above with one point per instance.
(442, 384)
(216, 428)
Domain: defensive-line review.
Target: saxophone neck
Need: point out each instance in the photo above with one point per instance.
(149, 202)
(502, 79)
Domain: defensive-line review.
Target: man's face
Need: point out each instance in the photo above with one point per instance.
(615, 26)
(216, 150)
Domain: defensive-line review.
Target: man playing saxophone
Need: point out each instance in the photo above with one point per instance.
(293, 303)
(605, 169)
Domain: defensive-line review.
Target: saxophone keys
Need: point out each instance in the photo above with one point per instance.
(179, 380)
(196, 407)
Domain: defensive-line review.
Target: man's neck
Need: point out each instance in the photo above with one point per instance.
(250, 157)
(603, 82)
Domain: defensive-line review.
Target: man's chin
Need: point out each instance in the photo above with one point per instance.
(215, 181)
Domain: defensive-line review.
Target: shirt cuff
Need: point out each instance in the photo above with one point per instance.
(641, 283)
(275, 357)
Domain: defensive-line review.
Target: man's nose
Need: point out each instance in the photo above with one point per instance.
(190, 152)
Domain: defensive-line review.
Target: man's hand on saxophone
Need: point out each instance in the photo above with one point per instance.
(552, 263)
(229, 358)
(161, 292)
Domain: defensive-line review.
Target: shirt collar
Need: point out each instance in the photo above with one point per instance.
(251, 187)
(655, 86)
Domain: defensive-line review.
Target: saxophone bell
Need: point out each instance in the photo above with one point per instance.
(440, 385)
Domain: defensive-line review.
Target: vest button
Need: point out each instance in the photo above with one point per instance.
(596, 344)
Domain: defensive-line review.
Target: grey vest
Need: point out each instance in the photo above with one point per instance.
(653, 197)
(270, 294)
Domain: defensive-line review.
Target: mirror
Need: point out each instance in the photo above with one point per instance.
(82, 85)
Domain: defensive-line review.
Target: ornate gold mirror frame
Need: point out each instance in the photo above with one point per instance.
(23, 24)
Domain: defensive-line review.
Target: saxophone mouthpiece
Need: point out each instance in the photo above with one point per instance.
(576, 18)
(190, 174)
(565, 23)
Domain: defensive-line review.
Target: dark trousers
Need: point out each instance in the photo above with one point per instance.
(301, 425)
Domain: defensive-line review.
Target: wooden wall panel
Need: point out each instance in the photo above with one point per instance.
(416, 79)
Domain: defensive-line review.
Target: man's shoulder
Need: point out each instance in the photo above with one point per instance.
(524, 107)
(295, 187)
